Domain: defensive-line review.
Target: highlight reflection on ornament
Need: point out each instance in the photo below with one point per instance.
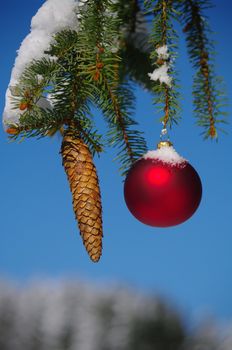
(162, 189)
(158, 175)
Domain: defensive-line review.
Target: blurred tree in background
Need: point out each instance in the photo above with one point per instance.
(77, 316)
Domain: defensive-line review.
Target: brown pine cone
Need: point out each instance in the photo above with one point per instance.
(83, 180)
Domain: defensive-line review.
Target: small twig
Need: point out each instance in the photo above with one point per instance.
(204, 63)
(119, 118)
(164, 42)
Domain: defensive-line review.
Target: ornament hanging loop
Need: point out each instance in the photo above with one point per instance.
(162, 144)
(164, 137)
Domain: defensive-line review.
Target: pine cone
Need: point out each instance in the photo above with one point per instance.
(83, 179)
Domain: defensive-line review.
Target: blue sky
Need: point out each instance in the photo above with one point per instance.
(190, 264)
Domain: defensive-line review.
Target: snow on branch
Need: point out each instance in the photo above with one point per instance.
(161, 73)
(53, 16)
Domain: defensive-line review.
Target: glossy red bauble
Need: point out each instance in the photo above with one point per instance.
(162, 194)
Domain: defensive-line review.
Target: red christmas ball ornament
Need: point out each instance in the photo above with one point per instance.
(162, 189)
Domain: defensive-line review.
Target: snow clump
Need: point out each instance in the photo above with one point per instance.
(165, 154)
(52, 17)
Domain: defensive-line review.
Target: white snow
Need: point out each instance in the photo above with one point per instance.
(162, 52)
(165, 154)
(161, 74)
(53, 16)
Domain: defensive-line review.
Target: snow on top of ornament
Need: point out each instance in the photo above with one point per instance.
(166, 154)
(53, 16)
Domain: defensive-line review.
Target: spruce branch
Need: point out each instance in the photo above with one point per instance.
(164, 23)
(110, 94)
(119, 118)
(209, 95)
(116, 101)
(117, 112)
(164, 36)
